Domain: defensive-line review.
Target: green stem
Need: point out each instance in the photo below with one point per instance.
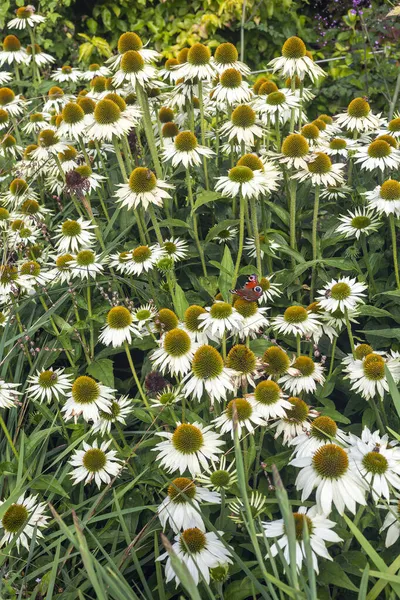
(332, 356)
(35, 68)
(378, 417)
(135, 377)
(298, 344)
(241, 241)
(89, 303)
(203, 131)
(278, 133)
(120, 160)
(314, 241)
(148, 128)
(367, 263)
(292, 210)
(156, 226)
(293, 114)
(194, 220)
(253, 209)
(350, 333)
(394, 248)
(9, 440)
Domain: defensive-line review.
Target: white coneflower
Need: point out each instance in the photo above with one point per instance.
(244, 365)
(120, 327)
(131, 41)
(221, 319)
(66, 74)
(175, 353)
(226, 57)
(231, 88)
(294, 61)
(270, 288)
(209, 375)
(385, 198)
(41, 58)
(12, 104)
(193, 324)
(357, 222)
(368, 375)
(296, 320)
(87, 398)
(168, 72)
(321, 171)
(37, 122)
(94, 463)
(176, 248)
(143, 189)
(378, 155)
(74, 234)
(377, 463)
(86, 265)
(319, 531)
(200, 552)
(358, 117)
(250, 246)
(391, 522)
(296, 421)
(335, 477)
(341, 294)
(95, 70)
(12, 51)
(226, 235)
(241, 414)
(143, 258)
(186, 150)
(257, 502)
(302, 376)
(73, 122)
(277, 105)
(5, 77)
(168, 396)
(56, 99)
(60, 270)
(23, 521)
(8, 393)
(48, 144)
(24, 233)
(25, 17)
(133, 70)
(120, 261)
(254, 318)
(242, 180)
(109, 121)
(242, 126)
(190, 447)
(198, 64)
(5, 119)
(270, 400)
(219, 476)
(323, 431)
(144, 317)
(295, 151)
(181, 508)
(48, 384)
(120, 409)
(339, 147)
(11, 282)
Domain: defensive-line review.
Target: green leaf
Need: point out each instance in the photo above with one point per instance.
(180, 303)
(373, 311)
(102, 369)
(332, 573)
(173, 223)
(279, 211)
(296, 255)
(226, 274)
(383, 333)
(393, 389)
(49, 483)
(205, 198)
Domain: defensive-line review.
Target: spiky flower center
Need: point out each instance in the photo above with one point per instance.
(182, 55)
(374, 367)
(170, 130)
(242, 408)
(192, 540)
(323, 428)
(119, 317)
(389, 139)
(71, 228)
(4, 214)
(191, 317)
(85, 390)
(165, 114)
(24, 12)
(30, 268)
(62, 262)
(299, 520)
(220, 478)
(305, 365)
(358, 108)
(9, 141)
(170, 63)
(166, 319)
(375, 463)
(14, 518)
(276, 361)
(266, 88)
(18, 186)
(87, 105)
(340, 291)
(55, 92)
(362, 350)
(207, 363)
(106, 112)
(326, 119)
(299, 413)
(320, 124)
(321, 164)
(390, 190)
(265, 284)
(294, 47)
(394, 125)
(338, 144)
(295, 146)
(185, 141)
(11, 43)
(226, 53)
(267, 392)
(143, 314)
(98, 84)
(187, 439)
(72, 113)
(221, 310)
(241, 174)
(379, 149)
(142, 180)
(310, 131)
(47, 138)
(330, 461)
(276, 98)
(295, 314)
(141, 254)
(181, 489)
(251, 161)
(3, 116)
(30, 207)
(241, 359)
(199, 55)
(47, 379)
(243, 116)
(177, 342)
(111, 416)
(166, 398)
(360, 222)
(129, 41)
(94, 460)
(231, 78)
(245, 308)
(132, 62)
(8, 274)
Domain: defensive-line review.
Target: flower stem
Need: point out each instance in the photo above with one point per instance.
(120, 159)
(332, 356)
(367, 263)
(157, 229)
(253, 208)
(348, 324)
(278, 133)
(8, 436)
(241, 241)
(314, 241)
(293, 113)
(394, 248)
(89, 303)
(194, 219)
(298, 344)
(292, 210)
(148, 128)
(203, 132)
(35, 69)
(135, 377)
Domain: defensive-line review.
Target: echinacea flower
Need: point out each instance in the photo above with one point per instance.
(143, 258)
(66, 74)
(109, 121)
(8, 394)
(243, 181)
(254, 318)
(175, 353)
(190, 447)
(303, 376)
(219, 475)
(270, 400)
(378, 155)
(143, 189)
(133, 70)
(12, 51)
(208, 374)
(130, 41)
(74, 234)
(22, 521)
(368, 376)
(358, 117)
(231, 88)
(94, 463)
(242, 126)
(186, 150)
(120, 327)
(120, 408)
(48, 384)
(198, 64)
(343, 294)
(220, 319)
(321, 171)
(296, 320)
(294, 61)
(323, 431)
(226, 57)
(385, 198)
(25, 17)
(240, 414)
(358, 222)
(87, 398)
(297, 420)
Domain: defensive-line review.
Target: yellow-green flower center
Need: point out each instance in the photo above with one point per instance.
(251, 161)
(358, 108)
(71, 228)
(8, 274)
(62, 262)
(85, 390)
(390, 190)
(276, 98)
(389, 139)
(187, 439)
(295, 146)
(394, 125)
(362, 351)
(191, 317)
(207, 363)
(243, 116)
(18, 186)
(220, 478)
(360, 222)
(276, 361)
(299, 520)
(338, 144)
(119, 317)
(299, 413)
(323, 428)
(47, 379)
(221, 310)
(3, 116)
(177, 342)
(330, 461)
(241, 174)
(320, 124)
(241, 359)
(305, 365)
(375, 463)
(231, 78)
(166, 320)
(310, 131)
(267, 87)
(374, 367)
(94, 460)
(30, 268)
(47, 138)
(72, 113)
(379, 149)
(142, 180)
(4, 214)
(30, 207)
(192, 541)
(98, 84)
(321, 164)
(199, 55)
(14, 518)
(132, 62)
(294, 47)
(87, 105)
(185, 141)
(267, 392)
(340, 291)
(11, 43)
(141, 254)
(170, 130)
(226, 53)
(106, 112)
(245, 308)
(181, 489)
(242, 407)
(129, 41)
(166, 114)
(295, 314)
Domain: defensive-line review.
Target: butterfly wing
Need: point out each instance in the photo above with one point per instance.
(251, 295)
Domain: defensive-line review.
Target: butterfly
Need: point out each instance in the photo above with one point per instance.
(251, 291)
